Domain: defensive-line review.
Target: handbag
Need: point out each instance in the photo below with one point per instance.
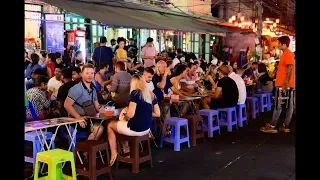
(88, 106)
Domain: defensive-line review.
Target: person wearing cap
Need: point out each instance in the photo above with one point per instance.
(226, 94)
(102, 54)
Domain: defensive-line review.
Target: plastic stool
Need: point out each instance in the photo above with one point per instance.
(269, 101)
(263, 101)
(194, 121)
(36, 146)
(231, 117)
(94, 167)
(254, 105)
(207, 115)
(242, 114)
(175, 138)
(54, 158)
(136, 157)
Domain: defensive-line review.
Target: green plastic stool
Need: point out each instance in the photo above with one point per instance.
(54, 158)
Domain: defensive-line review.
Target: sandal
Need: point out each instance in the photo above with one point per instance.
(113, 160)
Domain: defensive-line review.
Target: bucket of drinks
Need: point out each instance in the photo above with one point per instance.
(109, 109)
(174, 98)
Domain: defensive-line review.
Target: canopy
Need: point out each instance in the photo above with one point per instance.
(128, 17)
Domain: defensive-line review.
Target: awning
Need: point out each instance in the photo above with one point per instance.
(125, 17)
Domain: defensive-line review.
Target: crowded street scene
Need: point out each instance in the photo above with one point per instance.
(159, 89)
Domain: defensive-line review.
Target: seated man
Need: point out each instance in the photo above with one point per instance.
(240, 84)
(226, 94)
(82, 101)
(36, 73)
(120, 85)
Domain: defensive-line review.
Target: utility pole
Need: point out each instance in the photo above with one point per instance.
(259, 28)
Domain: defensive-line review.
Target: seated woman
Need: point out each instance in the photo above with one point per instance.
(264, 81)
(234, 66)
(143, 106)
(211, 77)
(37, 98)
(179, 89)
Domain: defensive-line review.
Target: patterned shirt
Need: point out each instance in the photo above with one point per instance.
(38, 101)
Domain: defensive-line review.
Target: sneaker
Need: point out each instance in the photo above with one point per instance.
(284, 128)
(269, 129)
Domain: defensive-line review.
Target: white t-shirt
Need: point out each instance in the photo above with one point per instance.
(150, 86)
(241, 87)
(53, 85)
(175, 61)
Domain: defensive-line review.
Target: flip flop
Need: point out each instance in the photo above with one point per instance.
(113, 160)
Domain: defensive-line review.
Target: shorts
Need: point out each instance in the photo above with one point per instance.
(220, 103)
(122, 128)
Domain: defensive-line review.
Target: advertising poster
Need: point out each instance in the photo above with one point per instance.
(54, 33)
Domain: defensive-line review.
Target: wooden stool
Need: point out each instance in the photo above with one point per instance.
(135, 156)
(193, 121)
(95, 168)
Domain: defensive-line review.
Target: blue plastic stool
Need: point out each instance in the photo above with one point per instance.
(175, 138)
(228, 117)
(207, 115)
(269, 101)
(263, 101)
(242, 114)
(254, 104)
(32, 137)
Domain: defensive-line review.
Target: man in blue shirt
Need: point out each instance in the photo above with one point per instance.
(102, 54)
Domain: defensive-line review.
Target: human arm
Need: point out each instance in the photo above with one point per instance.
(163, 81)
(174, 87)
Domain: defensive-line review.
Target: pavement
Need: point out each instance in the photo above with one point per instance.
(243, 154)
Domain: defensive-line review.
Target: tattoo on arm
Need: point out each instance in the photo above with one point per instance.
(289, 71)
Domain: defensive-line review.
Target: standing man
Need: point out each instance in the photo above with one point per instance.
(149, 53)
(102, 54)
(285, 88)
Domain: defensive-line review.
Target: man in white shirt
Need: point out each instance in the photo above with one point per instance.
(240, 84)
(55, 82)
(148, 75)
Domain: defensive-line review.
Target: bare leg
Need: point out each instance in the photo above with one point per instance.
(96, 132)
(112, 129)
(185, 108)
(206, 102)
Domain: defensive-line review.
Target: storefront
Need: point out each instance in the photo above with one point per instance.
(195, 44)
(32, 30)
(96, 32)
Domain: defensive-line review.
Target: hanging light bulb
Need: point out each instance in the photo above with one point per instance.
(277, 20)
(240, 25)
(242, 18)
(233, 18)
(274, 24)
(230, 20)
(236, 23)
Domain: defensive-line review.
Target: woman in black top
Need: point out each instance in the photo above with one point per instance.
(264, 81)
(211, 77)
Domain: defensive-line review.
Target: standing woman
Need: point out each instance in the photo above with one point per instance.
(143, 106)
